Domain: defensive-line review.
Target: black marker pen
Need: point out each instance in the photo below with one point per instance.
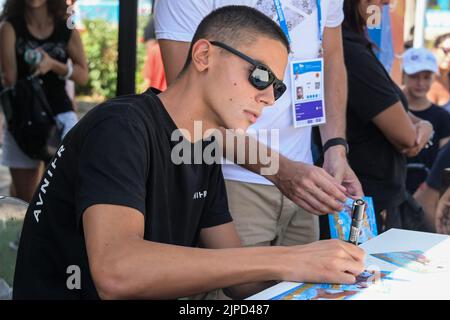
(357, 219)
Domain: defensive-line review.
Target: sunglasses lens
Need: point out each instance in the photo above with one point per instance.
(278, 89)
(261, 77)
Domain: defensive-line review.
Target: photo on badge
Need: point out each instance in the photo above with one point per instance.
(299, 93)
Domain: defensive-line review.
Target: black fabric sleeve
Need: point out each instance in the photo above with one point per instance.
(113, 165)
(434, 179)
(217, 212)
(370, 90)
(443, 129)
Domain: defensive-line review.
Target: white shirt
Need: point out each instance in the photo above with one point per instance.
(178, 20)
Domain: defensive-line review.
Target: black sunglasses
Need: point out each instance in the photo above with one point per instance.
(261, 76)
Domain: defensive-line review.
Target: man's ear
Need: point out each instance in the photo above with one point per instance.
(201, 54)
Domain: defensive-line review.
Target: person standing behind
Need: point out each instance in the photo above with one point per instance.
(443, 214)
(277, 209)
(380, 131)
(428, 193)
(420, 68)
(153, 71)
(1, 88)
(39, 25)
(440, 89)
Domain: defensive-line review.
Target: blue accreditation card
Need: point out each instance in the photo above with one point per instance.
(341, 222)
(308, 100)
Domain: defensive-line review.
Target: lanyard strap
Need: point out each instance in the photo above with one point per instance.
(283, 23)
(319, 20)
(282, 19)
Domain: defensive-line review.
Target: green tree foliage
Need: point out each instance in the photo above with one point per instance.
(100, 44)
(100, 40)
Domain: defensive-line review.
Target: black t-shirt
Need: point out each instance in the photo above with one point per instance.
(119, 154)
(376, 162)
(440, 119)
(56, 47)
(442, 162)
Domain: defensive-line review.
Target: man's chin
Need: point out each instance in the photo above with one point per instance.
(238, 126)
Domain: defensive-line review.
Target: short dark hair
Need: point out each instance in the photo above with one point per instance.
(355, 21)
(236, 26)
(16, 8)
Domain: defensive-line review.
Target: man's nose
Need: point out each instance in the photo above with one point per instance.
(267, 96)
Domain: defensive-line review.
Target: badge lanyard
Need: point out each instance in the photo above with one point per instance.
(284, 26)
(308, 105)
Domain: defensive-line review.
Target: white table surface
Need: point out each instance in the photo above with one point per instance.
(416, 285)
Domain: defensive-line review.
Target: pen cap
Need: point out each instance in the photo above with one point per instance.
(358, 209)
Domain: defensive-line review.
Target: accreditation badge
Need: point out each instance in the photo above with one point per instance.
(308, 100)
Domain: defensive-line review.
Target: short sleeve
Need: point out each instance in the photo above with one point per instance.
(335, 13)
(113, 165)
(217, 212)
(178, 20)
(370, 90)
(443, 130)
(442, 162)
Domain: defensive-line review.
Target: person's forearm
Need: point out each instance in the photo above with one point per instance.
(251, 154)
(149, 270)
(428, 198)
(335, 98)
(79, 74)
(8, 56)
(174, 54)
(9, 78)
(258, 158)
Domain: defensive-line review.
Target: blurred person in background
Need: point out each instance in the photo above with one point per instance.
(1, 88)
(39, 25)
(380, 130)
(70, 85)
(440, 89)
(153, 70)
(420, 67)
(428, 193)
(443, 214)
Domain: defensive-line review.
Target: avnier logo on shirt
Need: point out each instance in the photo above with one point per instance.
(45, 184)
(200, 195)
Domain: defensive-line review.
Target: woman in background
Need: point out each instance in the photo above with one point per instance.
(440, 89)
(39, 25)
(380, 130)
